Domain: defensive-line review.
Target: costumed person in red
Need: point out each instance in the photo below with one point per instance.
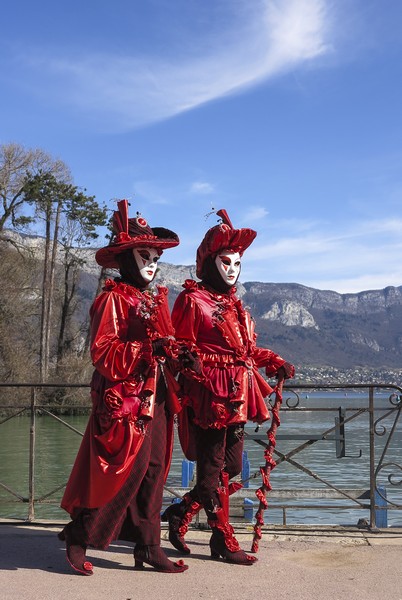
(115, 488)
(221, 386)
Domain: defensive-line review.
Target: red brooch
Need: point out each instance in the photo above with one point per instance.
(141, 221)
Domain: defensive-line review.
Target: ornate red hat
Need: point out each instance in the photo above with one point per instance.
(222, 237)
(133, 233)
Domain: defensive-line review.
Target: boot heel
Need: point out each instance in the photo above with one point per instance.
(138, 564)
(215, 554)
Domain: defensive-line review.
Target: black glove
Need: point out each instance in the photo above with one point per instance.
(190, 360)
(158, 346)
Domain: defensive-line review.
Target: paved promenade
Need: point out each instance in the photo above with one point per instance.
(293, 564)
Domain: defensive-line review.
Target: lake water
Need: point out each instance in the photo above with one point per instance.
(56, 447)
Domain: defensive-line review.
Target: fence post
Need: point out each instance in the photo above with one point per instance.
(372, 458)
(187, 471)
(248, 509)
(381, 514)
(245, 471)
(31, 473)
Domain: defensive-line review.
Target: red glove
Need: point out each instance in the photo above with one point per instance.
(286, 371)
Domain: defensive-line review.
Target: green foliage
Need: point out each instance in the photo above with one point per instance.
(46, 192)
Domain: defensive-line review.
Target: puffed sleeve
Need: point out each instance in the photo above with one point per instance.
(273, 363)
(263, 357)
(186, 317)
(267, 358)
(112, 354)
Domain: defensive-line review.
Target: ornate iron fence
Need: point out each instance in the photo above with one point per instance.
(383, 463)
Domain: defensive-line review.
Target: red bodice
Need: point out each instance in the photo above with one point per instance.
(220, 331)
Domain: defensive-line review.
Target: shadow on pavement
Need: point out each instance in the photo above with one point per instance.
(41, 550)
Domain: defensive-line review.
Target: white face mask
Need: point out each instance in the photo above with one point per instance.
(147, 262)
(228, 265)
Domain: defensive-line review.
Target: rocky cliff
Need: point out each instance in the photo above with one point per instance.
(319, 327)
(326, 328)
(307, 325)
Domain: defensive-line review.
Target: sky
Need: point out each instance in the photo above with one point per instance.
(287, 113)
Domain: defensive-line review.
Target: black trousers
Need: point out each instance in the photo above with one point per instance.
(217, 450)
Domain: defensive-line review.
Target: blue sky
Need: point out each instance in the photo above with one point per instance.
(287, 113)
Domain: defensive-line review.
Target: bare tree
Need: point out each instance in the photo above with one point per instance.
(77, 233)
(87, 341)
(16, 163)
(36, 191)
(19, 295)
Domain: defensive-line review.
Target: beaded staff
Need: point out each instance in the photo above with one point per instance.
(270, 464)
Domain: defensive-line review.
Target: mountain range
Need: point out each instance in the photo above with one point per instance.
(318, 327)
(308, 326)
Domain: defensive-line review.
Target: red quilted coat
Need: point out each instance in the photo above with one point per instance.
(124, 323)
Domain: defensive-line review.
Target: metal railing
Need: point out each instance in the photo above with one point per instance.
(382, 424)
(380, 457)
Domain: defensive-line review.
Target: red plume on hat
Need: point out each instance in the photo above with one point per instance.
(222, 237)
(133, 233)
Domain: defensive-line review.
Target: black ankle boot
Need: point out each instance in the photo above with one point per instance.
(224, 544)
(156, 558)
(179, 516)
(75, 554)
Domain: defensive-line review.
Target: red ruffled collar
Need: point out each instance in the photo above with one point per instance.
(191, 286)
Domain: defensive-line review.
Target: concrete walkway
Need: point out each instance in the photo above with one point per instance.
(293, 564)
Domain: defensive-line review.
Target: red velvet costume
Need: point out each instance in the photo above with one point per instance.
(115, 488)
(124, 322)
(221, 386)
(220, 331)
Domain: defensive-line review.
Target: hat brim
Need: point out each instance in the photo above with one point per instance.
(163, 239)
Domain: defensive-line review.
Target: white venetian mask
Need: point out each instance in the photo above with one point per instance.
(147, 262)
(229, 266)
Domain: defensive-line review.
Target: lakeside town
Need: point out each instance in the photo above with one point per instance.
(360, 375)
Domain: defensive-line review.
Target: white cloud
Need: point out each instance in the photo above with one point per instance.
(133, 91)
(352, 259)
(202, 187)
(147, 192)
(256, 213)
(354, 285)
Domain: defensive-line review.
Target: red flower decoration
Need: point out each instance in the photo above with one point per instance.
(190, 285)
(122, 237)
